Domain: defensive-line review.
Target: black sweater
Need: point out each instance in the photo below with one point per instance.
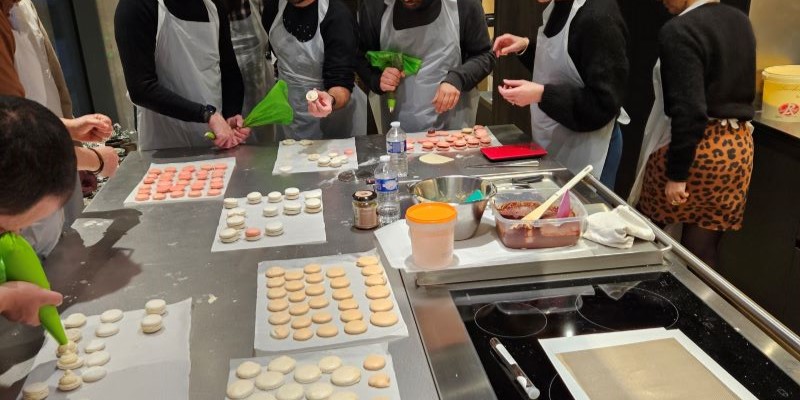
(708, 68)
(135, 27)
(338, 31)
(477, 59)
(597, 44)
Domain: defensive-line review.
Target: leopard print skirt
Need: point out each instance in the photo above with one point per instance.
(717, 185)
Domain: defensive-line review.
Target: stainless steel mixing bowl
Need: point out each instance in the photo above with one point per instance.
(454, 190)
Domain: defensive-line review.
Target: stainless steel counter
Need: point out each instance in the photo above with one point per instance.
(119, 257)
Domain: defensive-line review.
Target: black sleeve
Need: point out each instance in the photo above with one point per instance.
(476, 47)
(527, 57)
(135, 25)
(369, 39)
(682, 73)
(598, 50)
(232, 83)
(339, 33)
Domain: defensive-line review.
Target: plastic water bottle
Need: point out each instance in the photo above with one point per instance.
(386, 186)
(396, 149)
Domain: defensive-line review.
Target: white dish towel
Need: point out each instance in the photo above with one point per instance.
(617, 228)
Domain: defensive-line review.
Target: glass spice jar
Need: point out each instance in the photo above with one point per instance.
(365, 209)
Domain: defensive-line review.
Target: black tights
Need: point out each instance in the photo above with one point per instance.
(703, 243)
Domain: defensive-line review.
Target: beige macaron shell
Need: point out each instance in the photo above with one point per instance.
(240, 389)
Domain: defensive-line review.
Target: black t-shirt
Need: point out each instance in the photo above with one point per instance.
(135, 28)
(477, 60)
(338, 31)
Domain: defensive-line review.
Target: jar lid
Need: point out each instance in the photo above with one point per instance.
(431, 213)
(364, 195)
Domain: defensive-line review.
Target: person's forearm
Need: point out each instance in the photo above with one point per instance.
(87, 159)
(467, 76)
(342, 96)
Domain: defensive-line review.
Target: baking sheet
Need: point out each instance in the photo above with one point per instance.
(142, 366)
(303, 228)
(420, 136)
(265, 344)
(666, 362)
(352, 356)
(296, 156)
(483, 249)
(229, 161)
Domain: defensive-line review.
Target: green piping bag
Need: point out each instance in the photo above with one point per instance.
(273, 109)
(386, 59)
(19, 263)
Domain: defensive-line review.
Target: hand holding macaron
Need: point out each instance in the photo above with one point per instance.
(320, 103)
(521, 92)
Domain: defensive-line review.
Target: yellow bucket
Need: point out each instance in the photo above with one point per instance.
(782, 93)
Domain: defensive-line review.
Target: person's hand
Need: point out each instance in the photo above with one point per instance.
(676, 193)
(20, 301)
(323, 106)
(390, 79)
(94, 128)
(508, 43)
(446, 98)
(110, 160)
(225, 139)
(237, 125)
(520, 92)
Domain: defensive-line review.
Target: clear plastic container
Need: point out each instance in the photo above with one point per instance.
(431, 227)
(547, 232)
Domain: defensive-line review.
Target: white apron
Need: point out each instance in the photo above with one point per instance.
(30, 58)
(300, 64)
(250, 42)
(553, 64)
(33, 68)
(438, 44)
(658, 131)
(187, 63)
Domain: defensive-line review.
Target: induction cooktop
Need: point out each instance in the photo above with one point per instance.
(521, 315)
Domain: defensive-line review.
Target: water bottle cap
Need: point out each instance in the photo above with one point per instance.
(385, 158)
(395, 124)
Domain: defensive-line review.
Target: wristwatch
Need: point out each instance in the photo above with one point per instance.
(208, 112)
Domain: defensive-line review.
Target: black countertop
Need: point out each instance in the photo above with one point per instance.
(791, 129)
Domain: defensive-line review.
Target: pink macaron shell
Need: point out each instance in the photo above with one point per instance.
(207, 167)
(170, 169)
(198, 185)
(218, 174)
(177, 194)
(149, 181)
(451, 139)
(217, 185)
(163, 189)
(154, 171)
(185, 175)
(252, 232)
(195, 193)
(142, 197)
(349, 152)
(159, 196)
(214, 192)
(220, 166)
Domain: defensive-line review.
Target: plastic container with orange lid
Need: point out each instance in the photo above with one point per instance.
(431, 227)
